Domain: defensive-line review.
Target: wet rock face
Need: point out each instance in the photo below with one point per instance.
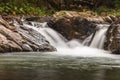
(19, 39)
(75, 27)
(35, 41)
(113, 38)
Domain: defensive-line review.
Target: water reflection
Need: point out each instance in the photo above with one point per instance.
(43, 67)
(57, 74)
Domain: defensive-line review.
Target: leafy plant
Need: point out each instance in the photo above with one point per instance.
(13, 7)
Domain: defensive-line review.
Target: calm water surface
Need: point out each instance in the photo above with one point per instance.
(50, 66)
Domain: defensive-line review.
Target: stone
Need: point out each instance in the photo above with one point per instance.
(113, 38)
(7, 45)
(78, 25)
(14, 36)
(21, 39)
(5, 24)
(38, 42)
(73, 28)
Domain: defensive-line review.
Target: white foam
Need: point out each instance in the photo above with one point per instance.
(73, 47)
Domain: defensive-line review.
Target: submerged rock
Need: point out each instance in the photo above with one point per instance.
(17, 39)
(113, 38)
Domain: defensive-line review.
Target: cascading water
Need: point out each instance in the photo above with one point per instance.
(73, 47)
(72, 60)
(87, 41)
(99, 37)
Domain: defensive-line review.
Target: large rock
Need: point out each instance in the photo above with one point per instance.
(113, 38)
(18, 39)
(34, 39)
(78, 25)
(75, 27)
(8, 45)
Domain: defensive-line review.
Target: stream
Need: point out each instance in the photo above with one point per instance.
(52, 66)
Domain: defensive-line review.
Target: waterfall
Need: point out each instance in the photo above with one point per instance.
(73, 47)
(97, 39)
(55, 39)
(87, 41)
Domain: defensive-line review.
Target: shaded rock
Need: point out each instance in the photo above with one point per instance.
(79, 25)
(39, 19)
(75, 27)
(113, 38)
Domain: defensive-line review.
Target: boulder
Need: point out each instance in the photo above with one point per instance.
(8, 45)
(19, 39)
(75, 27)
(113, 37)
(78, 25)
(73, 24)
(34, 39)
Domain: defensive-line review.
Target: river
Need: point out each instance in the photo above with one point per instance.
(52, 66)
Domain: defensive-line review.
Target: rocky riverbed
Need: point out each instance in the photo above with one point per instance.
(72, 25)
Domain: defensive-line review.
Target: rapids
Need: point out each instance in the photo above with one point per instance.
(73, 60)
(73, 47)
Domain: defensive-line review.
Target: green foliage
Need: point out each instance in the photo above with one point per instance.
(112, 10)
(47, 7)
(23, 9)
(117, 4)
(103, 10)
